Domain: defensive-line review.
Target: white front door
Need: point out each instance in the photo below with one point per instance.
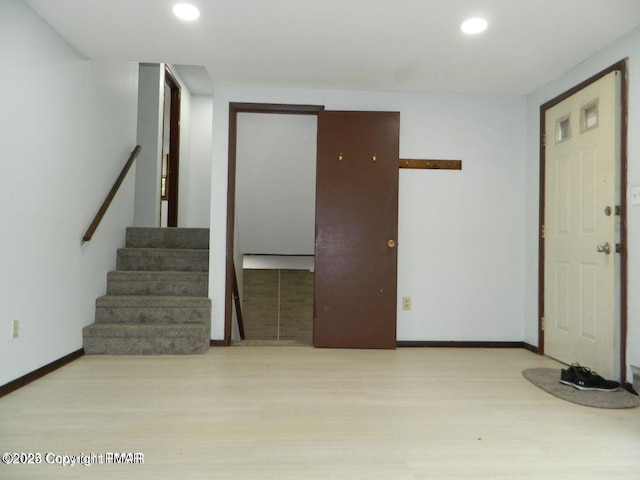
(581, 228)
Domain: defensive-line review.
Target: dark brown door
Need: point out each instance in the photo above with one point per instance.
(356, 230)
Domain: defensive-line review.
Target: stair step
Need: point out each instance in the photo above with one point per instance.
(127, 339)
(163, 259)
(140, 282)
(147, 237)
(153, 309)
(157, 300)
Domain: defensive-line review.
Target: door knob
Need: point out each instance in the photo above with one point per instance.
(391, 244)
(606, 248)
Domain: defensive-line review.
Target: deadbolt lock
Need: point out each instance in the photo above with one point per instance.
(391, 244)
(608, 210)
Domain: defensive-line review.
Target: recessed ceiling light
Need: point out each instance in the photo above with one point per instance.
(186, 11)
(474, 25)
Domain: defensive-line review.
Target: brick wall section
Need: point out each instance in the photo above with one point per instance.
(260, 304)
(296, 305)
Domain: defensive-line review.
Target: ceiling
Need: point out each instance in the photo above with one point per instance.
(388, 45)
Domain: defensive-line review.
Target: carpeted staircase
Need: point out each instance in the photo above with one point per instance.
(156, 301)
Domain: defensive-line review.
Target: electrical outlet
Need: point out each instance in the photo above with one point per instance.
(16, 328)
(406, 303)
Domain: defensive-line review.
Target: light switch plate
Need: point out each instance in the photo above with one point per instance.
(634, 193)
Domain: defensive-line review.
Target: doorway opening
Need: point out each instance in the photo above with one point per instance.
(275, 225)
(170, 151)
(277, 257)
(591, 219)
(356, 224)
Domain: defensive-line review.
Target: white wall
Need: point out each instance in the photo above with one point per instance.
(185, 148)
(627, 46)
(149, 137)
(461, 234)
(194, 196)
(276, 183)
(195, 167)
(195, 152)
(66, 129)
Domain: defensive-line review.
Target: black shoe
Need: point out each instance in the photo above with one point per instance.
(568, 376)
(584, 378)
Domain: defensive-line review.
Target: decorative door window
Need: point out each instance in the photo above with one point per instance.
(589, 116)
(563, 129)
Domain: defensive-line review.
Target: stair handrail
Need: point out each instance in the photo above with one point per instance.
(112, 193)
(236, 300)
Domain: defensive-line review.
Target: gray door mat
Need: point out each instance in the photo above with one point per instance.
(548, 379)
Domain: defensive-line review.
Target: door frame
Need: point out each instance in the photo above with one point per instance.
(622, 67)
(234, 109)
(173, 165)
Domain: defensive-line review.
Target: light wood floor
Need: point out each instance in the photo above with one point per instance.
(303, 413)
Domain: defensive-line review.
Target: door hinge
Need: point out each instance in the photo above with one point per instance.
(542, 231)
(544, 139)
(542, 323)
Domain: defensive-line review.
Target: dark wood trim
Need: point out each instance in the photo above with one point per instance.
(277, 108)
(531, 348)
(14, 385)
(618, 66)
(234, 109)
(541, 256)
(218, 343)
(112, 193)
(231, 208)
(236, 299)
(173, 166)
(622, 67)
(462, 344)
(431, 164)
(467, 344)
